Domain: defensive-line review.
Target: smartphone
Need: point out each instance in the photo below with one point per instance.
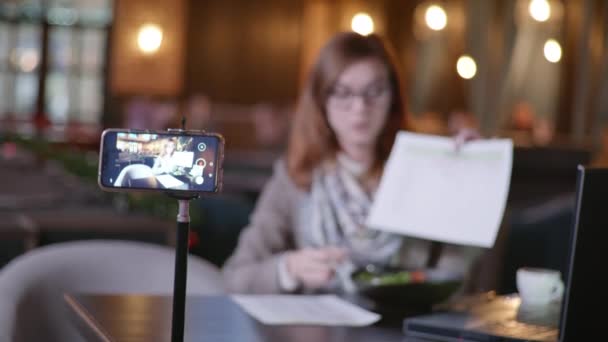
(175, 161)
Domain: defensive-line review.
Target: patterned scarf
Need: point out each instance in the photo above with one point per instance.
(339, 209)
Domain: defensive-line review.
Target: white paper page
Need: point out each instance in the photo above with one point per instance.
(431, 191)
(303, 309)
(183, 158)
(169, 181)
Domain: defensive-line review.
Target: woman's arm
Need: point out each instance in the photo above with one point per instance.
(253, 267)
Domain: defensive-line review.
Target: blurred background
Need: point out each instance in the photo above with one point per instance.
(535, 71)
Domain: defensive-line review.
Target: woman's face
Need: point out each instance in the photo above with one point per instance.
(358, 104)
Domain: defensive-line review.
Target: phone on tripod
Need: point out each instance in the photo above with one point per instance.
(178, 162)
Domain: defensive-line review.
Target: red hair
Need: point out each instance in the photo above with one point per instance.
(312, 140)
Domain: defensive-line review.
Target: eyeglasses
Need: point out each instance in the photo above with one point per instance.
(344, 97)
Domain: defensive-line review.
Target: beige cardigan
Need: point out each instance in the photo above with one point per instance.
(278, 224)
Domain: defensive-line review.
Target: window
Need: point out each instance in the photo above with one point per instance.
(74, 35)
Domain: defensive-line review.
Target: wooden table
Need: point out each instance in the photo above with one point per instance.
(148, 318)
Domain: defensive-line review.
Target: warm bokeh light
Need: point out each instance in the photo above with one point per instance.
(436, 18)
(466, 67)
(362, 23)
(25, 59)
(540, 10)
(553, 51)
(149, 38)
(28, 61)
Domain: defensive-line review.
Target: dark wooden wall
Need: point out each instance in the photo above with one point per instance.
(252, 51)
(244, 51)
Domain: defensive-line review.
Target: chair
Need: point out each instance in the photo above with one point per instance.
(32, 286)
(133, 171)
(222, 218)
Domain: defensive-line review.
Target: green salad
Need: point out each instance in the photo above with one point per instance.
(393, 278)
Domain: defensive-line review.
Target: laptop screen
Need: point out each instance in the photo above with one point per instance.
(585, 285)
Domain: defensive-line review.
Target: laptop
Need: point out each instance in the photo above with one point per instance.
(501, 318)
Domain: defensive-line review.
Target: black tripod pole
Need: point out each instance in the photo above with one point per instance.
(181, 271)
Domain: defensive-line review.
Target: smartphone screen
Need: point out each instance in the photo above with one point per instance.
(163, 161)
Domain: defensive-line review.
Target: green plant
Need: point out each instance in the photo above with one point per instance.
(84, 164)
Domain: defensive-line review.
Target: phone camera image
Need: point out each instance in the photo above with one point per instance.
(162, 161)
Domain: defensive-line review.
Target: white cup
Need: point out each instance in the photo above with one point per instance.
(539, 286)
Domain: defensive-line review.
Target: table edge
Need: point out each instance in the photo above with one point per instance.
(86, 317)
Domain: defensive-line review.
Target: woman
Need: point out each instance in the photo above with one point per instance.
(309, 220)
(164, 163)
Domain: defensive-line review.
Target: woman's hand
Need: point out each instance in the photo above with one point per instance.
(314, 267)
(465, 135)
